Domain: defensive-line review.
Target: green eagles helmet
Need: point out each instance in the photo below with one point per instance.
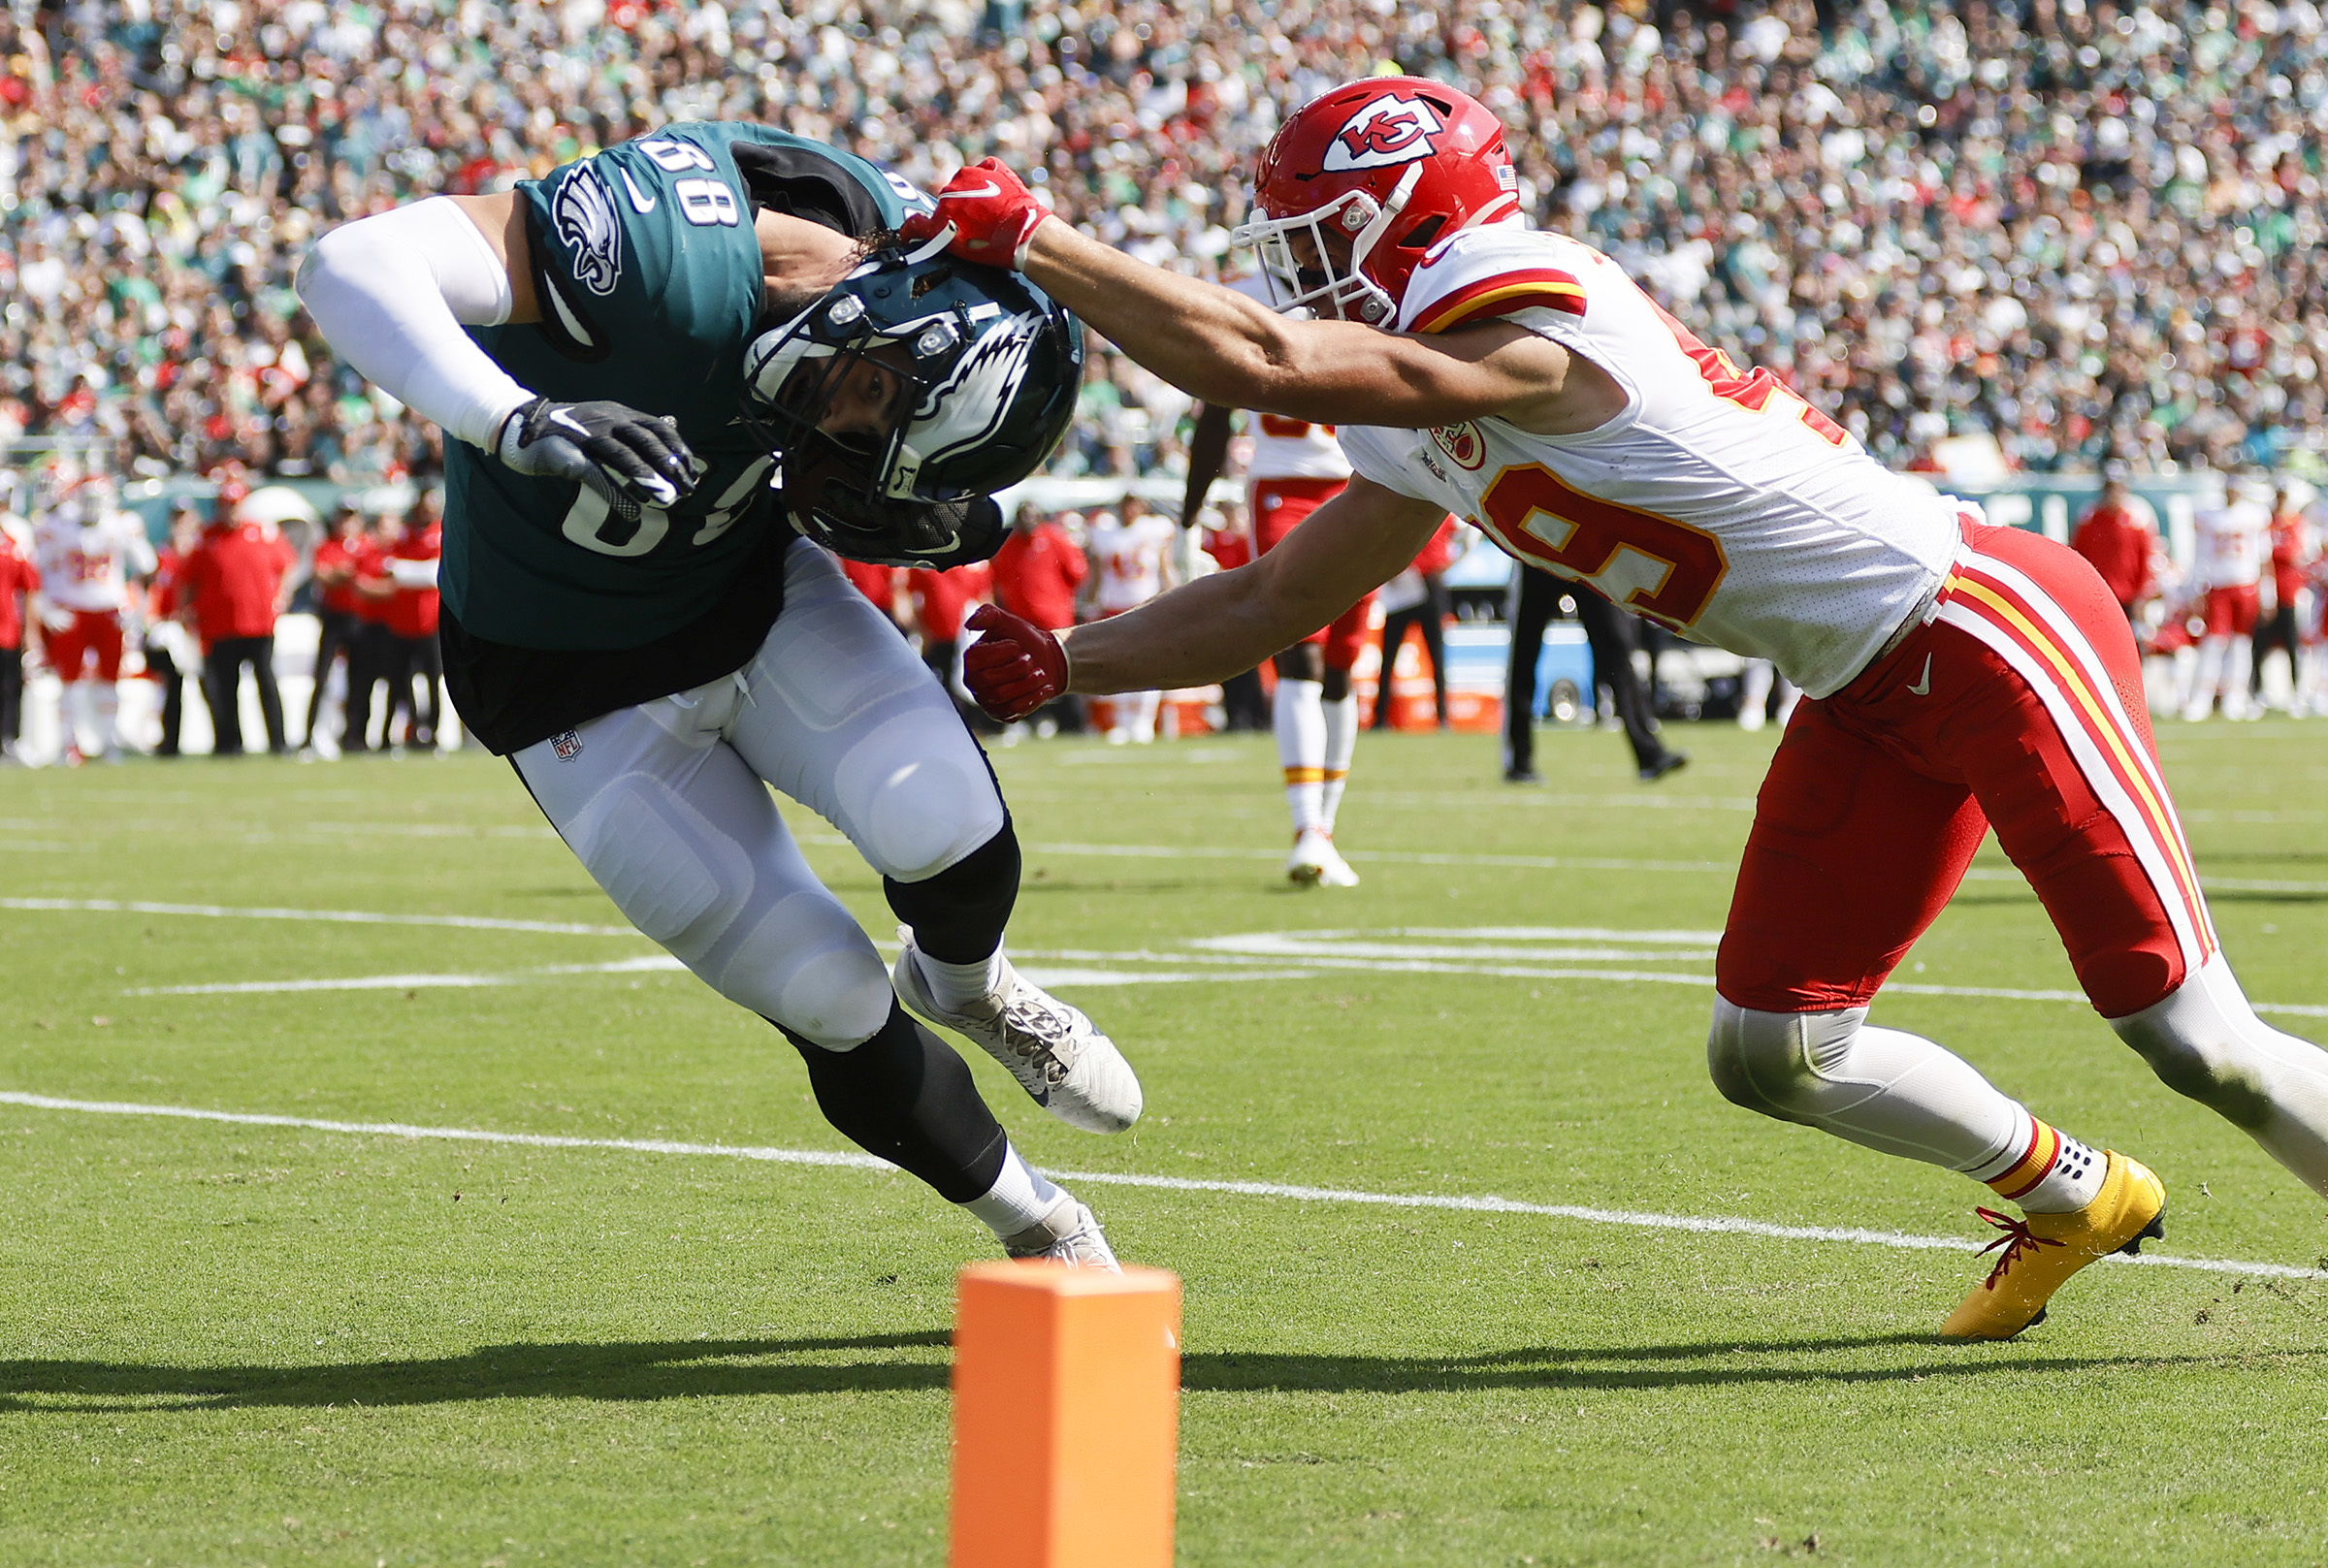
(991, 368)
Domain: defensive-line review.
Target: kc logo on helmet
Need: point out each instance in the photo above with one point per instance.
(1387, 131)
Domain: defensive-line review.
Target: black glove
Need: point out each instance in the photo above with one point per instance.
(614, 449)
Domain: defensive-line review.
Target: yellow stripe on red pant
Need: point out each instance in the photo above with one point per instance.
(2158, 819)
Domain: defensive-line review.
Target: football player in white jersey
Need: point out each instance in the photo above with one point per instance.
(2234, 546)
(1131, 553)
(1958, 676)
(1295, 468)
(88, 550)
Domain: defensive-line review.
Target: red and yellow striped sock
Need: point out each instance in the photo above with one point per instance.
(2055, 1173)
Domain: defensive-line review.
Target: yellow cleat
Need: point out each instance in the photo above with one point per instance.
(2043, 1250)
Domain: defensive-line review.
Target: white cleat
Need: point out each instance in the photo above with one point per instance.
(1316, 863)
(1058, 1057)
(1068, 1234)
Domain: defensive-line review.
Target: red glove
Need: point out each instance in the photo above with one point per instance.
(993, 214)
(1015, 666)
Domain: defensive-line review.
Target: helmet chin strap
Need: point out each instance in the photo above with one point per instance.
(1372, 233)
(1367, 239)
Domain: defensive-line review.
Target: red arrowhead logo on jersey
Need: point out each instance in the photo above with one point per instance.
(1387, 131)
(1463, 445)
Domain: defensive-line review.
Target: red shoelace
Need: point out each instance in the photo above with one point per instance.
(2016, 1239)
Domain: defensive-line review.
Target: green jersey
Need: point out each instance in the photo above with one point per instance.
(649, 276)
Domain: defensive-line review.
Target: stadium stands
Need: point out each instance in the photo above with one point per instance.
(2086, 230)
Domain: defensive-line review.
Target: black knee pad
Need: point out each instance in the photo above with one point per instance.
(958, 914)
(905, 1095)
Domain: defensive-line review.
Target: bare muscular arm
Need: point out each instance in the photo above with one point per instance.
(1227, 348)
(1217, 626)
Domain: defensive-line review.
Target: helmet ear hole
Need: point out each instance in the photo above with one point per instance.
(1420, 237)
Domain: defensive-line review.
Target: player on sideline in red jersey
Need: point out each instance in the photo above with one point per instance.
(1958, 676)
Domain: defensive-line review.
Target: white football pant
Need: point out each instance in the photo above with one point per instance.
(666, 804)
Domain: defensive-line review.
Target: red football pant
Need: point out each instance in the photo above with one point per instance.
(2018, 706)
(95, 632)
(2232, 612)
(1278, 504)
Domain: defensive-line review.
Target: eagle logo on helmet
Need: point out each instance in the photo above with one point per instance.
(967, 408)
(584, 212)
(1385, 132)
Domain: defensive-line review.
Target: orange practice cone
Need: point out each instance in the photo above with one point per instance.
(1066, 1417)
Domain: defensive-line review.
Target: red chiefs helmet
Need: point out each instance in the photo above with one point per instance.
(1380, 170)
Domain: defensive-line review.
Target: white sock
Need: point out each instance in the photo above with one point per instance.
(1341, 743)
(1145, 707)
(85, 731)
(1754, 692)
(959, 987)
(1018, 1199)
(1299, 717)
(104, 702)
(2213, 652)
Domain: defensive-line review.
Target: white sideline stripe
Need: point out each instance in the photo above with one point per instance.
(1524, 862)
(410, 982)
(1388, 857)
(220, 911)
(1049, 978)
(665, 962)
(1309, 967)
(1703, 1224)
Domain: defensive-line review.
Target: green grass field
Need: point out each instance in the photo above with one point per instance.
(228, 1342)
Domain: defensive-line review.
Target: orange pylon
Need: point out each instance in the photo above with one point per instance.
(1066, 1417)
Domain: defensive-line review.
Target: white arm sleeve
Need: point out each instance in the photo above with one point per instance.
(392, 292)
(412, 573)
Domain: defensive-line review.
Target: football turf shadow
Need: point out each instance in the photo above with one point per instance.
(676, 1369)
(730, 1368)
(1727, 1364)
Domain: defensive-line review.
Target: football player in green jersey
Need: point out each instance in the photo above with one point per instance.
(675, 369)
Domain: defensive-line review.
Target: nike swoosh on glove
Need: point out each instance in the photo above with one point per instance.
(991, 212)
(611, 447)
(1015, 666)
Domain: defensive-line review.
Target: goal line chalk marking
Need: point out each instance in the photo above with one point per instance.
(1703, 1224)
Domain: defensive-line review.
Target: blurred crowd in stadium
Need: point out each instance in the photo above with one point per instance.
(2076, 231)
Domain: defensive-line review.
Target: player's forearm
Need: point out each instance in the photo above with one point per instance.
(1206, 340)
(1205, 632)
(392, 292)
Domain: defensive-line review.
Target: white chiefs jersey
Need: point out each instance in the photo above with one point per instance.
(1718, 503)
(1288, 448)
(1130, 558)
(2234, 541)
(86, 557)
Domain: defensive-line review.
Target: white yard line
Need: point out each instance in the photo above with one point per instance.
(1686, 1224)
(412, 982)
(1522, 862)
(1044, 976)
(220, 911)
